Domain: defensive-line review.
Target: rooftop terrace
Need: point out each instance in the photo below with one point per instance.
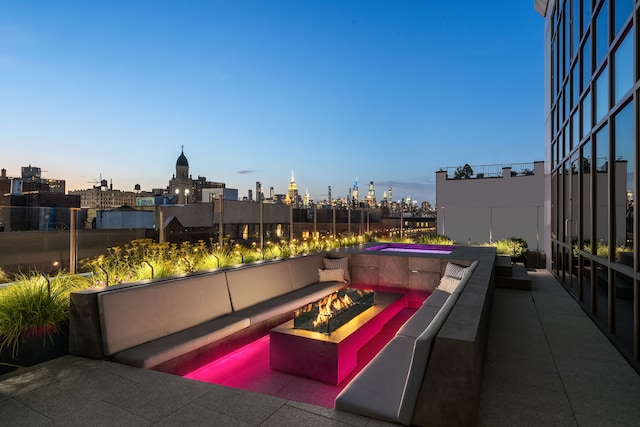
(546, 364)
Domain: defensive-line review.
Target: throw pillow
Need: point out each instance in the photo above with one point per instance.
(448, 284)
(455, 271)
(331, 275)
(343, 263)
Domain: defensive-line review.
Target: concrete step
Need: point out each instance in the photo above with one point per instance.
(503, 265)
(519, 279)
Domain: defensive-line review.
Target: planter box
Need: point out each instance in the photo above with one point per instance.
(35, 348)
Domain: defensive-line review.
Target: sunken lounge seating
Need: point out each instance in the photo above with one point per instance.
(176, 324)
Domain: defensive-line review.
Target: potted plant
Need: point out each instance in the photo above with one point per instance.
(34, 316)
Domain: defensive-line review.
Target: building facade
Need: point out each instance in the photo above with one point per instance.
(489, 206)
(591, 132)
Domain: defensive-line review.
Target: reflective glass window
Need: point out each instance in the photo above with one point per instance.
(586, 115)
(601, 197)
(586, 13)
(624, 164)
(623, 63)
(602, 95)
(575, 130)
(587, 65)
(602, 33)
(575, 22)
(585, 226)
(622, 10)
(575, 75)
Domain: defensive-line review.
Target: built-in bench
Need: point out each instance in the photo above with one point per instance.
(388, 387)
(171, 325)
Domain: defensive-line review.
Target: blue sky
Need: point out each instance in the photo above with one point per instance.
(385, 91)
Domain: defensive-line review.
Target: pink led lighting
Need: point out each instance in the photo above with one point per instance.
(248, 369)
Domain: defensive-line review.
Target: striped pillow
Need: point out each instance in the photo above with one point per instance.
(455, 271)
(448, 284)
(333, 263)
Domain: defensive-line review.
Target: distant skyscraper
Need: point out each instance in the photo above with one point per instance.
(250, 195)
(390, 194)
(329, 193)
(272, 193)
(258, 191)
(371, 195)
(354, 192)
(292, 193)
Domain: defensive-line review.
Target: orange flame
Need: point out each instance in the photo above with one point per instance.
(329, 305)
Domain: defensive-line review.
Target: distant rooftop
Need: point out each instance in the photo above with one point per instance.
(489, 171)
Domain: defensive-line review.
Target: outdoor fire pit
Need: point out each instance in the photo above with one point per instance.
(328, 350)
(334, 310)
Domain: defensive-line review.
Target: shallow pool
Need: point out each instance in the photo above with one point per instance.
(412, 248)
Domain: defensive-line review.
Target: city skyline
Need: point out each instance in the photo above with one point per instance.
(388, 92)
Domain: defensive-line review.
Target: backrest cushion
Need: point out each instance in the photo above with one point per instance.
(134, 315)
(304, 269)
(343, 263)
(252, 284)
(465, 278)
(454, 270)
(448, 284)
(333, 275)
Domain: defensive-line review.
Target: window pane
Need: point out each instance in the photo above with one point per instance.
(623, 63)
(624, 181)
(586, 115)
(575, 130)
(602, 95)
(586, 13)
(623, 9)
(602, 35)
(575, 75)
(586, 192)
(568, 54)
(602, 188)
(575, 21)
(586, 62)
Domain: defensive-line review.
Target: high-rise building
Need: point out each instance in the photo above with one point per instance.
(292, 192)
(591, 117)
(354, 193)
(370, 199)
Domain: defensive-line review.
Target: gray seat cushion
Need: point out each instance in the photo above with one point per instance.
(155, 352)
(437, 298)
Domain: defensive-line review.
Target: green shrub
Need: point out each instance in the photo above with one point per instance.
(434, 239)
(515, 247)
(33, 305)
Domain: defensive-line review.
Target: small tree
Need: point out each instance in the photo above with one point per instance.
(463, 172)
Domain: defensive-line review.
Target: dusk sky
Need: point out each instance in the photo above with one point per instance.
(385, 91)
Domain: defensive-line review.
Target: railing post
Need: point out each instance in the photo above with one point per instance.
(73, 241)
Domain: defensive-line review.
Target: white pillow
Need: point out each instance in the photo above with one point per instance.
(331, 275)
(343, 263)
(448, 284)
(455, 271)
